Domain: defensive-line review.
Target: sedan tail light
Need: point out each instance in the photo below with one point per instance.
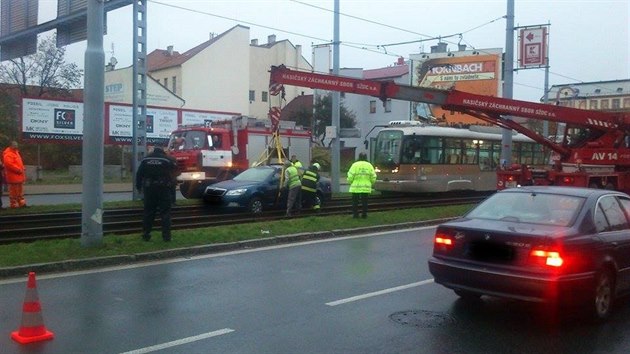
(443, 241)
(547, 258)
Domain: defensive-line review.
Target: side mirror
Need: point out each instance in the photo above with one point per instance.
(365, 142)
(235, 150)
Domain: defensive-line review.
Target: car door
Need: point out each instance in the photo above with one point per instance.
(272, 186)
(613, 224)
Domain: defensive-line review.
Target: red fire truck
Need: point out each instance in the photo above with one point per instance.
(211, 153)
(590, 151)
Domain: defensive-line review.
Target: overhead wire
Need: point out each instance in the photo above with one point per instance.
(375, 48)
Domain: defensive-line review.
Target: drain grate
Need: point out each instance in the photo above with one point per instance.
(422, 319)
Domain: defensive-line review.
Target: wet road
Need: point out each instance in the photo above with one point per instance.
(365, 294)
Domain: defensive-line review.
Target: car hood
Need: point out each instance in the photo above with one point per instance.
(509, 227)
(232, 184)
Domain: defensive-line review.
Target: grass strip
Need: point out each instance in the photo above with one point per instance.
(21, 254)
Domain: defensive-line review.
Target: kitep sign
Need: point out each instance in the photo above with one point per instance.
(533, 47)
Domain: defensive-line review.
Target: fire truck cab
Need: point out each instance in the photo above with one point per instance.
(210, 153)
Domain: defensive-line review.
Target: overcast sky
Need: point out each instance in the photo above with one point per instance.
(589, 40)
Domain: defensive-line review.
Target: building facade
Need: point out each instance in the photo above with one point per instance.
(601, 95)
(227, 73)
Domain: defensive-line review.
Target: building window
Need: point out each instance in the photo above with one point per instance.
(616, 103)
(174, 79)
(252, 96)
(626, 103)
(166, 82)
(604, 104)
(592, 104)
(372, 106)
(263, 96)
(388, 105)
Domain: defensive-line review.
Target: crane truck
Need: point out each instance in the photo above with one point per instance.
(591, 151)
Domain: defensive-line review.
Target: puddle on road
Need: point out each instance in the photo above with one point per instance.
(422, 318)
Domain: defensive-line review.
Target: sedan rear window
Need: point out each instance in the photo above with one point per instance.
(535, 208)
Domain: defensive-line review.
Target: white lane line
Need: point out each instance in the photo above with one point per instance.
(377, 293)
(182, 341)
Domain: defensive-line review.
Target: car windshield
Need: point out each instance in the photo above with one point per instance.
(254, 175)
(535, 208)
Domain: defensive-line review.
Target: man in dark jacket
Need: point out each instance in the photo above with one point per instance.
(155, 178)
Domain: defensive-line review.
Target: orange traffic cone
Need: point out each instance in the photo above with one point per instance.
(32, 328)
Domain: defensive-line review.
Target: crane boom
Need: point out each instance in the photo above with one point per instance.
(600, 158)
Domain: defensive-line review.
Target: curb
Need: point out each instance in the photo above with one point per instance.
(100, 262)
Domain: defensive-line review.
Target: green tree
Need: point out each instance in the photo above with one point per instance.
(323, 117)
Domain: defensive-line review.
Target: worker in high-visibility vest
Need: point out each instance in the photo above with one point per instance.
(15, 174)
(294, 186)
(361, 177)
(297, 164)
(309, 187)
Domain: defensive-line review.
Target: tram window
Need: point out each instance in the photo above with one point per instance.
(388, 146)
(452, 151)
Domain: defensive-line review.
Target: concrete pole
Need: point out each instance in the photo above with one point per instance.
(93, 112)
(508, 81)
(336, 98)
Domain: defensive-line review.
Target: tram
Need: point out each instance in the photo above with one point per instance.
(410, 157)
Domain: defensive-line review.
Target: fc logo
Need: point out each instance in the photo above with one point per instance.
(65, 118)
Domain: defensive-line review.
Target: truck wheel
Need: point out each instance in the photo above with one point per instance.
(255, 206)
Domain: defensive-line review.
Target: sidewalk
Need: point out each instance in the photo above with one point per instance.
(30, 189)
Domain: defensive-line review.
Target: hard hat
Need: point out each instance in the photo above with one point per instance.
(316, 165)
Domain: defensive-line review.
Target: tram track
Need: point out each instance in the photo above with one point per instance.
(33, 227)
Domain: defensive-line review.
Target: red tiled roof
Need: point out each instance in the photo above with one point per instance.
(386, 73)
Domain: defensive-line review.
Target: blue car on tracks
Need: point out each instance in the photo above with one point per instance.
(257, 189)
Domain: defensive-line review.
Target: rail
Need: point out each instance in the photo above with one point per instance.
(34, 227)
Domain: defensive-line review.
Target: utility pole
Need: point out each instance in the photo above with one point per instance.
(94, 105)
(336, 97)
(508, 81)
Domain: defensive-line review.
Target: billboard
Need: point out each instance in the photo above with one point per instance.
(478, 72)
(44, 120)
(194, 117)
(60, 121)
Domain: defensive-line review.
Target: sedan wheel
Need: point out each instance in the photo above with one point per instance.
(603, 295)
(256, 206)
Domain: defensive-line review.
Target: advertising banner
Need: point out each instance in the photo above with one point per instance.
(44, 120)
(159, 124)
(478, 73)
(203, 117)
(58, 121)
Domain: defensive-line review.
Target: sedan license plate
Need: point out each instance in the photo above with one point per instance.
(490, 252)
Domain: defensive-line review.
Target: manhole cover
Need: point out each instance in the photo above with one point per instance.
(422, 319)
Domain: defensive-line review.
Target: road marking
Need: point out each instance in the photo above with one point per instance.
(182, 341)
(377, 293)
